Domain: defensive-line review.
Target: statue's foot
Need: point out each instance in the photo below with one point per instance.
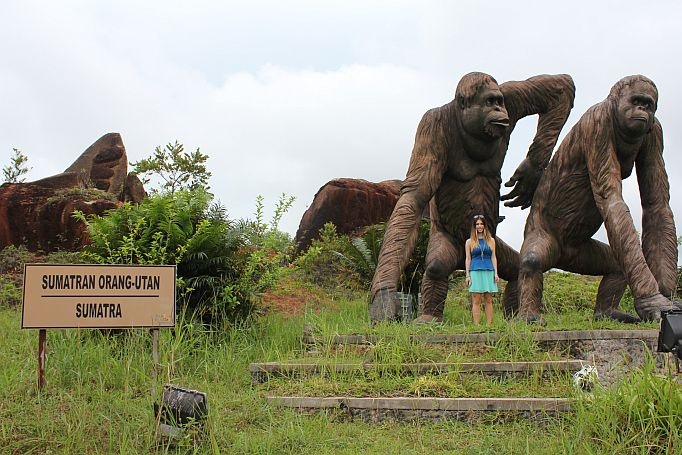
(428, 319)
(510, 312)
(384, 307)
(532, 318)
(649, 308)
(616, 315)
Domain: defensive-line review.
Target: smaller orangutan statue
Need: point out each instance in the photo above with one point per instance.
(456, 167)
(581, 189)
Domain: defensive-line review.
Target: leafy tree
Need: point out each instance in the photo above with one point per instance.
(175, 167)
(17, 168)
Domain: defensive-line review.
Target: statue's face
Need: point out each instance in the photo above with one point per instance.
(486, 117)
(636, 109)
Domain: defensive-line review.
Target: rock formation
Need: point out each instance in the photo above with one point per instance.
(348, 203)
(39, 214)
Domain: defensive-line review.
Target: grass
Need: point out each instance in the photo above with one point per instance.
(569, 305)
(446, 385)
(99, 399)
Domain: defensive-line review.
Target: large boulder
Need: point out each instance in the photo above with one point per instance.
(39, 214)
(350, 204)
(103, 165)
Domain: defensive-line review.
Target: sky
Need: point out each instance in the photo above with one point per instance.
(284, 96)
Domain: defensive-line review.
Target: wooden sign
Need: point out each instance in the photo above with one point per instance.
(98, 296)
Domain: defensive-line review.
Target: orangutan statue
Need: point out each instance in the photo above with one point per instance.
(581, 189)
(456, 167)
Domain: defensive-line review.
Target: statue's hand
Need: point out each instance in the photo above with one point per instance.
(525, 181)
(649, 308)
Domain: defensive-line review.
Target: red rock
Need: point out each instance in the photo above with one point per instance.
(39, 214)
(350, 204)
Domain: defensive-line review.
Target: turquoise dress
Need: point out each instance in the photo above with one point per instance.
(481, 270)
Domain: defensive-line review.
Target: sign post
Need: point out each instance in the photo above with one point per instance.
(94, 296)
(42, 357)
(155, 358)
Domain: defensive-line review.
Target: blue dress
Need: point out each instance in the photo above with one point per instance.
(481, 270)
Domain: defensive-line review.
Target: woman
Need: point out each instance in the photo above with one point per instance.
(481, 269)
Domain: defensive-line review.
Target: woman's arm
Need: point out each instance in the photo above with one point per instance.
(467, 260)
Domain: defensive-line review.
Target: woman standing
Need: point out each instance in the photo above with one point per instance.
(481, 269)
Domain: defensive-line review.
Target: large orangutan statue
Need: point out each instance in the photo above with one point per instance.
(581, 189)
(456, 165)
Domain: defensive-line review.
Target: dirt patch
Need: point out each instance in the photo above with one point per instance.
(293, 301)
(286, 304)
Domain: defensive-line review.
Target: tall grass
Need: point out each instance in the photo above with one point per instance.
(101, 390)
(99, 397)
(641, 415)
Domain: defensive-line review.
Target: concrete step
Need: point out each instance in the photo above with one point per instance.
(490, 337)
(432, 409)
(261, 372)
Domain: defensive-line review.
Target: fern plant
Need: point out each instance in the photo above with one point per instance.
(335, 260)
(185, 229)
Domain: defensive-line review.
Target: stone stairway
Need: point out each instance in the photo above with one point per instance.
(611, 351)
(261, 372)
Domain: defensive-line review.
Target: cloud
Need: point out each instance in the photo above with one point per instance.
(284, 97)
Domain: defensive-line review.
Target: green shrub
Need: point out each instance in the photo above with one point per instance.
(13, 258)
(64, 257)
(10, 292)
(335, 260)
(323, 265)
(184, 229)
(267, 249)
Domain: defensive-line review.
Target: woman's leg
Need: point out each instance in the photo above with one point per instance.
(476, 307)
(488, 298)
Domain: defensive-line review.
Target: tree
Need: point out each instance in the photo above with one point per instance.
(14, 171)
(177, 168)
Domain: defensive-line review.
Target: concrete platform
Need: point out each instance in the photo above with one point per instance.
(492, 337)
(431, 409)
(261, 372)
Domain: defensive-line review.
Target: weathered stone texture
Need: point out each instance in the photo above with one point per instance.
(39, 214)
(350, 204)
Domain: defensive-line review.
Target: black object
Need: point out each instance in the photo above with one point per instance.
(670, 335)
(179, 407)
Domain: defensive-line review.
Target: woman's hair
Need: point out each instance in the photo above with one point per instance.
(487, 238)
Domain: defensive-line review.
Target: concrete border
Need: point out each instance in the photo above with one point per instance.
(431, 404)
(261, 372)
(377, 410)
(490, 337)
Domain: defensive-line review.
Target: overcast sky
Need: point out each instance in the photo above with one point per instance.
(284, 96)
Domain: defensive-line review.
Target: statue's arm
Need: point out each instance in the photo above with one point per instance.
(551, 97)
(605, 179)
(425, 172)
(659, 238)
